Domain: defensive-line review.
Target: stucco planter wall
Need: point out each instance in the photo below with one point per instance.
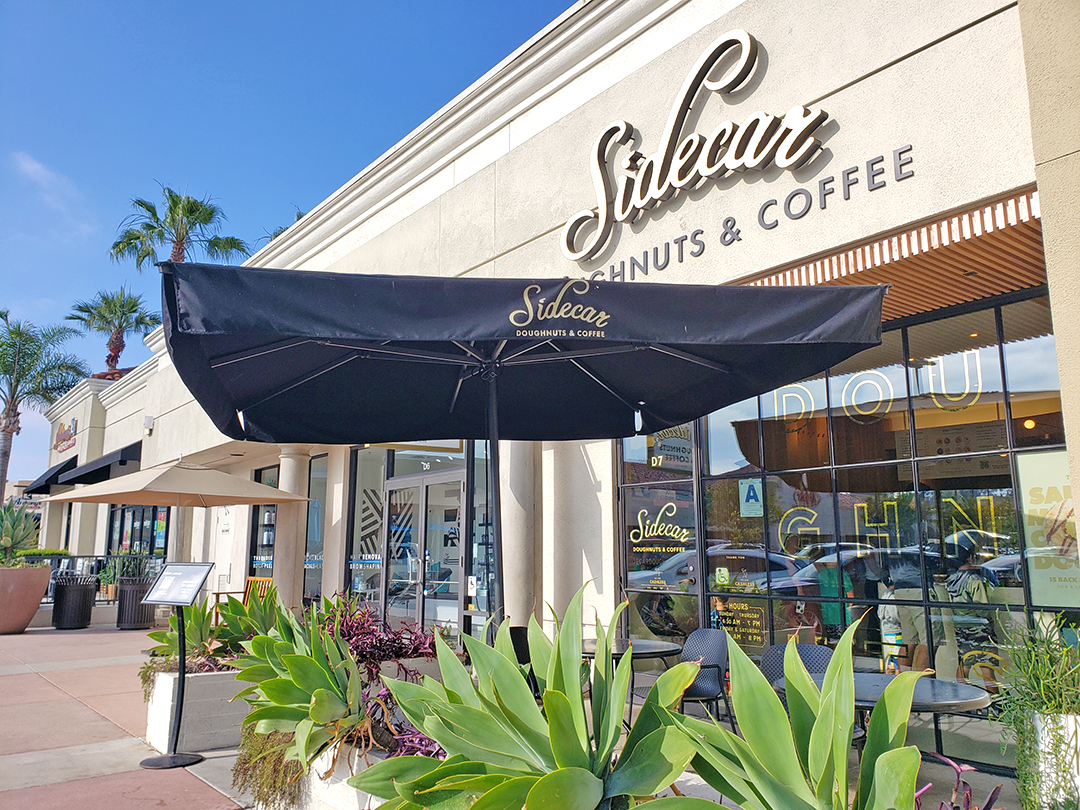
(209, 721)
(21, 590)
(334, 793)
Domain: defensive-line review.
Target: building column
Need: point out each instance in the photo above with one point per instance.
(291, 530)
(335, 530)
(520, 485)
(1051, 36)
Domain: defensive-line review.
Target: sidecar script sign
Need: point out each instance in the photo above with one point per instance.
(178, 584)
(682, 163)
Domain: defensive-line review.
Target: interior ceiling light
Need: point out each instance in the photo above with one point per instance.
(974, 334)
(1029, 424)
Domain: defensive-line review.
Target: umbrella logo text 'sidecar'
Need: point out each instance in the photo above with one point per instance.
(682, 163)
(540, 309)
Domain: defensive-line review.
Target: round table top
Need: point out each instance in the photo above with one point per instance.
(642, 648)
(931, 694)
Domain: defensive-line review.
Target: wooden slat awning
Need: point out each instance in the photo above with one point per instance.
(988, 250)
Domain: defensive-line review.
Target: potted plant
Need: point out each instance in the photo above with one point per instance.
(1040, 710)
(107, 579)
(21, 585)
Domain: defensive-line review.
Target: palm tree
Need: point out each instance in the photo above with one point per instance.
(34, 373)
(188, 223)
(114, 314)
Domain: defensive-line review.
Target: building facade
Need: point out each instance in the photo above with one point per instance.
(934, 148)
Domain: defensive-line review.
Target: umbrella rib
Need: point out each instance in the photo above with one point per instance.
(691, 358)
(300, 381)
(240, 356)
(468, 350)
(417, 355)
(571, 355)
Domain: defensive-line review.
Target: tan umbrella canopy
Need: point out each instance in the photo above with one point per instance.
(179, 483)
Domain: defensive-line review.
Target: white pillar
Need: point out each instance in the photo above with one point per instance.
(290, 533)
(520, 484)
(335, 531)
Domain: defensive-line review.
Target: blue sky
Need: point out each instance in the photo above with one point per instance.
(266, 106)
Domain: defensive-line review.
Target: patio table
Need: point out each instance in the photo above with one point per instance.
(931, 694)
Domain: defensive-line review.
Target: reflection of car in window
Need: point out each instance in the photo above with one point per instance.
(744, 570)
(677, 570)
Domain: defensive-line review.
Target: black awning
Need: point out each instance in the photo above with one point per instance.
(101, 469)
(43, 484)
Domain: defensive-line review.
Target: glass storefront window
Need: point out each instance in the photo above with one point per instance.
(1031, 372)
(664, 616)
(264, 527)
(941, 526)
(316, 519)
(365, 547)
(661, 538)
(662, 456)
(731, 439)
(956, 386)
(1046, 506)
(974, 521)
(428, 457)
(868, 399)
(795, 425)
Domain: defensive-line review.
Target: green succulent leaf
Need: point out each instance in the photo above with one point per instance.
(566, 789)
(290, 713)
(895, 775)
(284, 692)
(454, 675)
(503, 676)
(887, 730)
(327, 708)
(378, 780)
(654, 764)
(307, 674)
(510, 795)
(803, 700)
(570, 750)
(764, 723)
(539, 652)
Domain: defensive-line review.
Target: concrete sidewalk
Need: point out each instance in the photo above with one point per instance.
(72, 717)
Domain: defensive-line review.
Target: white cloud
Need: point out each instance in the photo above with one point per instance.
(55, 190)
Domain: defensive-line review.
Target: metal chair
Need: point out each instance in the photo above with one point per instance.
(709, 647)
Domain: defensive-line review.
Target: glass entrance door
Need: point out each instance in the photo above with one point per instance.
(423, 550)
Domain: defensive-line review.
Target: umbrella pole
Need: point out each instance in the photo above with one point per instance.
(496, 590)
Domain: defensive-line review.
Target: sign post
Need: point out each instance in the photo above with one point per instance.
(178, 585)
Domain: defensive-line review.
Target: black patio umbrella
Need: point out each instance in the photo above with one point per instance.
(333, 358)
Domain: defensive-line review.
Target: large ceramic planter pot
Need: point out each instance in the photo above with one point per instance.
(209, 720)
(21, 590)
(1058, 738)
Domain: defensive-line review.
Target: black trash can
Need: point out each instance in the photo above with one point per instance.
(73, 601)
(131, 613)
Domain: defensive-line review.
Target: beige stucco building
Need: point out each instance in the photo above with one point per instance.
(934, 147)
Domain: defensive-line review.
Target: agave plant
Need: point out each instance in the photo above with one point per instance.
(18, 531)
(306, 682)
(200, 635)
(507, 752)
(240, 621)
(801, 762)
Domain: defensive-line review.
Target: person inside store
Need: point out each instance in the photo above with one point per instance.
(971, 584)
(829, 577)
